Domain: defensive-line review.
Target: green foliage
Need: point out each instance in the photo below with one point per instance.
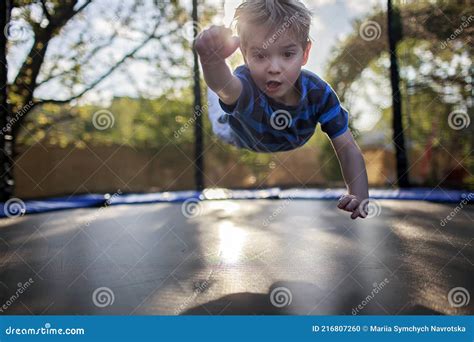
(141, 123)
(436, 79)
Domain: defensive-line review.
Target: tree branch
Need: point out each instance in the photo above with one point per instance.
(45, 10)
(25, 81)
(110, 71)
(89, 56)
(84, 5)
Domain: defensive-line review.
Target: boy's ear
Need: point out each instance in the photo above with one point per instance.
(306, 52)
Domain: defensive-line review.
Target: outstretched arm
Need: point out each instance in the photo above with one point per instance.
(214, 45)
(354, 173)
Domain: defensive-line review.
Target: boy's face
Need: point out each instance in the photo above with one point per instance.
(275, 64)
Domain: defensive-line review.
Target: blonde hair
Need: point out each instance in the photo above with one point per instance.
(276, 15)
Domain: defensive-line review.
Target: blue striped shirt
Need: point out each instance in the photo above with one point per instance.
(262, 124)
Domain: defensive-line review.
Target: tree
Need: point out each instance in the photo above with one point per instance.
(63, 52)
(436, 40)
(427, 23)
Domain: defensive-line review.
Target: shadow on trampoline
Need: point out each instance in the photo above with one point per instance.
(421, 310)
(283, 298)
(290, 298)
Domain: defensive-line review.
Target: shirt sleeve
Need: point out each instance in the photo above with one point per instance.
(245, 102)
(333, 118)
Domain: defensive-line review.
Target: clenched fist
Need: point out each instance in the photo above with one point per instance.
(351, 203)
(215, 44)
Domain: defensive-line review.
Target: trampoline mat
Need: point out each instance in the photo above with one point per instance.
(239, 257)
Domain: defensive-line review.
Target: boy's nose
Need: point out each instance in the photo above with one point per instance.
(273, 72)
(274, 67)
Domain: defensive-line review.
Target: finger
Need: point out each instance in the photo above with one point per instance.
(363, 210)
(216, 32)
(201, 42)
(355, 214)
(352, 205)
(213, 40)
(231, 44)
(344, 201)
(222, 34)
(362, 214)
(206, 40)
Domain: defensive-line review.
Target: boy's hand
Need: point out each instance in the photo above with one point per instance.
(355, 205)
(216, 44)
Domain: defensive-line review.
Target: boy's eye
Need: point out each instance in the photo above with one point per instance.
(288, 54)
(259, 56)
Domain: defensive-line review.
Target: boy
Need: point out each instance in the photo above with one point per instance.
(271, 104)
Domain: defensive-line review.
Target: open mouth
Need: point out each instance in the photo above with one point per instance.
(273, 85)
